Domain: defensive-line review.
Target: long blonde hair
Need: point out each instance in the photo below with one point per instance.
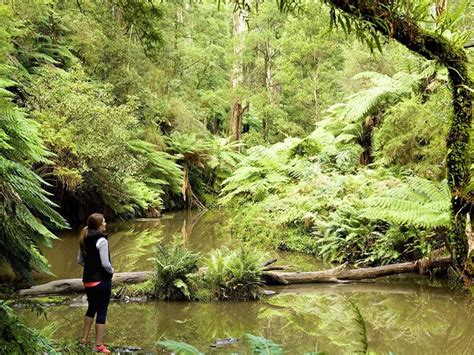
(94, 221)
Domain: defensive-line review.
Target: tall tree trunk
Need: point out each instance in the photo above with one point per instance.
(238, 30)
(235, 129)
(273, 89)
(385, 19)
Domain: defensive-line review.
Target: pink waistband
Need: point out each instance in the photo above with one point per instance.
(91, 284)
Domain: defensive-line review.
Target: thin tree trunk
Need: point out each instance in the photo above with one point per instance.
(239, 29)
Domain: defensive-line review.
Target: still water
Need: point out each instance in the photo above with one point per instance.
(132, 243)
(398, 315)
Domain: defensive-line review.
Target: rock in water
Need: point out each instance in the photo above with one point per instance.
(223, 342)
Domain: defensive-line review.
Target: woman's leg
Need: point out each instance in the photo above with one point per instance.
(102, 305)
(86, 329)
(90, 314)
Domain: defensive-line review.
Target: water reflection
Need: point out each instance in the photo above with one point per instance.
(402, 314)
(133, 242)
(314, 318)
(402, 319)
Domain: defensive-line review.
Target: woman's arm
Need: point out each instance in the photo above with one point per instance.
(80, 258)
(103, 247)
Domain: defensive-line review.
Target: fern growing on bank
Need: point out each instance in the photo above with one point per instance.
(235, 275)
(175, 272)
(418, 202)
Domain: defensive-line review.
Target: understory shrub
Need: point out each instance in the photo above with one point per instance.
(175, 273)
(310, 203)
(16, 337)
(235, 275)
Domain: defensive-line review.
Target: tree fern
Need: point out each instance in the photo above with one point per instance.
(347, 118)
(162, 169)
(418, 202)
(207, 162)
(25, 209)
(26, 212)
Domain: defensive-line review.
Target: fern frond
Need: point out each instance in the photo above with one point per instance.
(418, 202)
(179, 347)
(263, 346)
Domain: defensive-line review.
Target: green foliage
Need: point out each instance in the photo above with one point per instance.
(261, 345)
(16, 337)
(161, 169)
(26, 211)
(318, 208)
(258, 345)
(40, 36)
(178, 347)
(235, 275)
(207, 162)
(106, 154)
(133, 98)
(367, 101)
(412, 135)
(175, 272)
(418, 202)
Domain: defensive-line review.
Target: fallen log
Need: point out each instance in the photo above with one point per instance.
(75, 285)
(268, 262)
(276, 267)
(344, 273)
(340, 274)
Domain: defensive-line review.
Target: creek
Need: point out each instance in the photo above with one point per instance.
(410, 314)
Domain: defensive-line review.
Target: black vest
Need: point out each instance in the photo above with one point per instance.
(93, 270)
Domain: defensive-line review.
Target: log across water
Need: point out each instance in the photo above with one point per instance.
(344, 273)
(339, 274)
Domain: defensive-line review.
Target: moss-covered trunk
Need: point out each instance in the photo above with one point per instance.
(458, 159)
(385, 19)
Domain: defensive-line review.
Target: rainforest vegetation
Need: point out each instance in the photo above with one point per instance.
(337, 129)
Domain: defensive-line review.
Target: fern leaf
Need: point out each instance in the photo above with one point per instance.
(179, 347)
(263, 346)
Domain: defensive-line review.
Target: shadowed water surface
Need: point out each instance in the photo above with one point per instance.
(132, 243)
(401, 319)
(404, 315)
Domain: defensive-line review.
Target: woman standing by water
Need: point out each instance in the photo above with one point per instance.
(94, 256)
